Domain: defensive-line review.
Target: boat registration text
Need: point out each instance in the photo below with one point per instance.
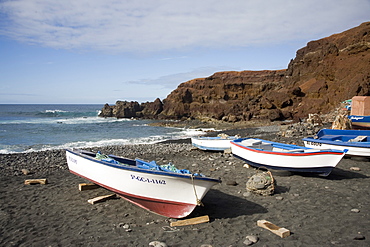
(314, 143)
(148, 180)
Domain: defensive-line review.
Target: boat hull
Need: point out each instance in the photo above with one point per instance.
(169, 194)
(341, 139)
(360, 121)
(305, 160)
(212, 143)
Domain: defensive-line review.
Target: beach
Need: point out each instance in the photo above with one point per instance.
(318, 211)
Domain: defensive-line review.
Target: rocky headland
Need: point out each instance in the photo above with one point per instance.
(324, 73)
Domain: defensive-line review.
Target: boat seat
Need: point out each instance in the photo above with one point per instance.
(358, 139)
(266, 147)
(251, 142)
(331, 137)
(296, 150)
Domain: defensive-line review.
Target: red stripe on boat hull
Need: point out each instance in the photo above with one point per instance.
(162, 207)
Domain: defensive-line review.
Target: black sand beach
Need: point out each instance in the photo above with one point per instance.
(319, 211)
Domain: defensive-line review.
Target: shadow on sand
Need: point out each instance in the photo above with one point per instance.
(218, 205)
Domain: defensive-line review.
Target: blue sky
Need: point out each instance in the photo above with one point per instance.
(101, 51)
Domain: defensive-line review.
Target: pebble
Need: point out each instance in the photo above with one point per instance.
(355, 210)
(246, 194)
(247, 242)
(252, 238)
(359, 237)
(279, 198)
(157, 244)
(25, 171)
(124, 225)
(354, 168)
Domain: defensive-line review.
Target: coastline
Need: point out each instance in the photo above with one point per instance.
(331, 211)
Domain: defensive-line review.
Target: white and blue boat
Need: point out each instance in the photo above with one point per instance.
(217, 143)
(164, 190)
(360, 121)
(279, 156)
(357, 142)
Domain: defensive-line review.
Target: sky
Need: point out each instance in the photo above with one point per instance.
(101, 51)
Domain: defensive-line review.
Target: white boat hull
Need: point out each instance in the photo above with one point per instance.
(304, 160)
(212, 143)
(168, 194)
(357, 142)
(352, 151)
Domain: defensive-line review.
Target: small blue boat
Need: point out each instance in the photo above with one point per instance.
(357, 142)
(360, 121)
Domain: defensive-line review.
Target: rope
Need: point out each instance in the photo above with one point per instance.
(199, 202)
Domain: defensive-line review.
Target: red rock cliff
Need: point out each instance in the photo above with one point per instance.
(324, 73)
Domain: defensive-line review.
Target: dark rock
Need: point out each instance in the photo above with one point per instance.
(125, 109)
(152, 109)
(107, 111)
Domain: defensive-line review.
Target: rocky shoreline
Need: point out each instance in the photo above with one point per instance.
(331, 211)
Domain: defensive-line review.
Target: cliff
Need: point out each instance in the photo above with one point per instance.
(324, 73)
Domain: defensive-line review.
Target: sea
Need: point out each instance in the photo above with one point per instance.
(40, 127)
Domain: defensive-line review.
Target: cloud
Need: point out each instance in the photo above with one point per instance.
(158, 25)
(171, 81)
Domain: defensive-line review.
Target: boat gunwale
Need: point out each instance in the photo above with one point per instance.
(141, 170)
(212, 138)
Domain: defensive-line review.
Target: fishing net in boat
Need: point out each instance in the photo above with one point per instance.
(166, 168)
(261, 183)
(106, 158)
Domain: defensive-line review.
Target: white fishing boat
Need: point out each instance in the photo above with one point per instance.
(217, 143)
(164, 190)
(279, 156)
(357, 142)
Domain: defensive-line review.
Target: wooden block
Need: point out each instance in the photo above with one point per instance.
(101, 198)
(86, 186)
(36, 181)
(282, 232)
(192, 221)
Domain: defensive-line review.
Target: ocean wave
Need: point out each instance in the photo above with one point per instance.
(176, 135)
(75, 120)
(68, 114)
(8, 149)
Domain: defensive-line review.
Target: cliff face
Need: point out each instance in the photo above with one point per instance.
(331, 70)
(229, 96)
(322, 74)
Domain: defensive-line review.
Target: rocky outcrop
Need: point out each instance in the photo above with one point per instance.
(324, 73)
(125, 109)
(122, 109)
(230, 96)
(152, 109)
